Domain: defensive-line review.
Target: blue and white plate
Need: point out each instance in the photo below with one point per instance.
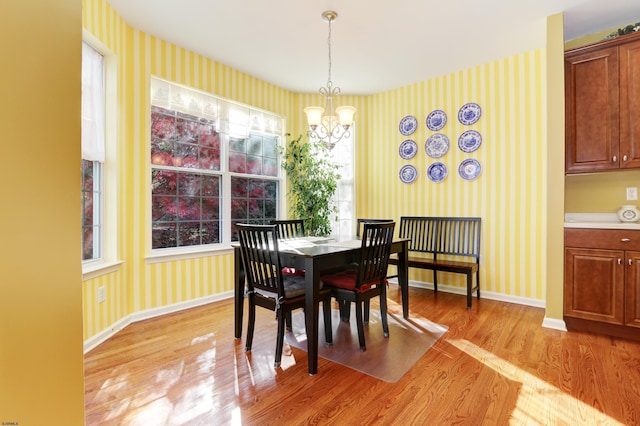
(437, 145)
(408, 125)
(469, 113)
(437, 172)
(408, 149)
(436, 120)
(408, 173)
(469, 169)
(469, 141)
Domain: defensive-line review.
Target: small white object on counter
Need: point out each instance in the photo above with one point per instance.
(628, 213)
(597, 221)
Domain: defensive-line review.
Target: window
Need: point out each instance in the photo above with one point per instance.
(214, 163)
(93, 152)
(342, 154)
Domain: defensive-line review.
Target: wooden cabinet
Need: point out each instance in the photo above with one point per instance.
(602, 281)
(602, 104)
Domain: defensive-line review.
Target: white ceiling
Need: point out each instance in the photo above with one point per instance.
(376, 45)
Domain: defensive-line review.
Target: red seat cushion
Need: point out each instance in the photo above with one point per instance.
(347, 280)
(292, 271)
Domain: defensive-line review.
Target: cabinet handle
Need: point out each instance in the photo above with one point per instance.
(619, 261)
(615, 159)
(624, 158)
(630, 262)
(625, 240)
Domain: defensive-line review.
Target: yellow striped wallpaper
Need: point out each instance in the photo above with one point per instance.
(508, 195)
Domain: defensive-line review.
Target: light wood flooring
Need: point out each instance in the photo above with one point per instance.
(495, 366)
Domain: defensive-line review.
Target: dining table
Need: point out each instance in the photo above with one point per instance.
(316, 255)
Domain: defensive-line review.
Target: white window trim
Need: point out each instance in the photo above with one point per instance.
(224, 247)
(109, 261)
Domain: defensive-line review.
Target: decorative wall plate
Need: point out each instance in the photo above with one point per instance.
(437, 172)
(469, 141)
(436, 120)
(408, 125)
(469, 169)
(408, 173)
(437, 145)
(469, 113)
(408, 149)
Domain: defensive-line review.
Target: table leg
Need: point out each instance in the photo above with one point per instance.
(403, 278)
(312, 284)
(238, 284)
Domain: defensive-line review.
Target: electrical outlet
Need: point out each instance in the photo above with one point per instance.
(632, 193)
(101, 294)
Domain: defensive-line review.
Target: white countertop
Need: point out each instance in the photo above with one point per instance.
(597, 221)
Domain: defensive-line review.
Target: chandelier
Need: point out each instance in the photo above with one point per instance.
(329, 124)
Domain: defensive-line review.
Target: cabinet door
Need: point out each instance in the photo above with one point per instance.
(592, 111)
(630, 104)
(632, 290)
(594, 285)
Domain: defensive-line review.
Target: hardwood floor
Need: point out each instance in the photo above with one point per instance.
(496, 365)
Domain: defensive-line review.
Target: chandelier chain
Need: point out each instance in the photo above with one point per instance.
(329, 83)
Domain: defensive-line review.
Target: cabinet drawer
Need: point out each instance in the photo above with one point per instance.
(612, 239)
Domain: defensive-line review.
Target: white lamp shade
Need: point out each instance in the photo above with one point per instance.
(345, 114)
(314, 115)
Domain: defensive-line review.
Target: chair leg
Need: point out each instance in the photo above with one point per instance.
(366, 311)
(289, 323)
(383, 311)
(435, 280)
(328, 329)
(345, 310)
(280, 339)
(251, 323)
(360, 323)
(469, 290)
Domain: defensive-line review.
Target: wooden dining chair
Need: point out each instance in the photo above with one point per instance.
(361, 222)
(290, 228)
(367, 280)
(269, 287)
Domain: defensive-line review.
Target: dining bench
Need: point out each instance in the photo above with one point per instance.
(440, 244)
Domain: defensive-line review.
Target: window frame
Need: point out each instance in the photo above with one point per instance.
(109, 260)
(227, 128)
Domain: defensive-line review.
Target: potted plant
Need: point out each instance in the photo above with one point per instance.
(313, 180)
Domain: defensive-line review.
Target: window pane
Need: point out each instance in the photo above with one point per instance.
(253, 201)
(190, 215)
(90, 209)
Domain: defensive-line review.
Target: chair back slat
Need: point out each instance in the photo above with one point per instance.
(361, 221)
(375, 251)
(421, 232)
(260, 256)
(290, 228)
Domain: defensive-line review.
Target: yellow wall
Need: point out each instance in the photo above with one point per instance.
(510, 194)
(554, 170)
(41, 363)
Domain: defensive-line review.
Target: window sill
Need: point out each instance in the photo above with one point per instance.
(182, 254)
(93, 270)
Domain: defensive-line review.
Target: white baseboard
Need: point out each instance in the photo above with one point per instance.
(483, 293)
(556, 324)
(110, 331)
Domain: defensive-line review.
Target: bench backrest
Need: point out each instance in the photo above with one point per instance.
(458, 236)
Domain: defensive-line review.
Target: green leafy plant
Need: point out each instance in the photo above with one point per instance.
(631, 28)
(313, 180)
